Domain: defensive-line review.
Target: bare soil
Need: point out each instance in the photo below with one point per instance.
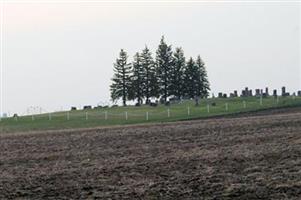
(246, 157)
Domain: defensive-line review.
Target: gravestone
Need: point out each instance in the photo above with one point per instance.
(243, 93)
(73, 108)
(283, 91)
(257, 92)
(235, 93)
(250, 93)
(87, 107)
(267, 91)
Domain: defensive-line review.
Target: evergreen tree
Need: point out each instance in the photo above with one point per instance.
(121, 81)
(164, 63)
(203, 85)
(176, 75)
(151, 88)
(137, 85)
(190, 79)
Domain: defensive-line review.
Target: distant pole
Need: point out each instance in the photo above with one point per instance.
(168, 113)
(188, 110)
(68, 116)
(106, 115)
(226, 106)
(49, 116)
(86, 115)
(244, 103)
(146, 116)
(208, 108)
(126, 115)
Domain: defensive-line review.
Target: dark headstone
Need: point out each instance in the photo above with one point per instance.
(250, 93)
(243, 93)
(267, 91)
(220, 95)
(235, 93)
(275, 93)
(257, 92)
(224, 95)
(73, 108)
(87, 107)
(299, 93)
(283, 91)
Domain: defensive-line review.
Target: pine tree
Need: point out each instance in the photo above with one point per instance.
(190, 78)
(121, 81)
(164, 63)
(203, 85)
(177, 71)
(137, 81)
(151, 88)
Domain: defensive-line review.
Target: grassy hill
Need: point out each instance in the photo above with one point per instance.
(143, 114)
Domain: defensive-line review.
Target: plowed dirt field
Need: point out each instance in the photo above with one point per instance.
(245, 157)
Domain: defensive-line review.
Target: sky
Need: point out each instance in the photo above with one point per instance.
(58, 55)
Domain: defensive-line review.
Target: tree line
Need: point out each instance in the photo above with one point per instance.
(168, 75)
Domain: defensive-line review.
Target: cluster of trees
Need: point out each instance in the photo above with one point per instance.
(168, 75)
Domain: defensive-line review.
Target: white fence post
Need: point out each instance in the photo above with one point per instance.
(188, 111)
(32, 118)
(87, 115)
(68, 116)
(277, 99)
(146, 116)
(126, 115)
(208, 108)
(168, 113)
(244, 103)
(261, 100)
(106, 115)
(226, 106)
(49, 116)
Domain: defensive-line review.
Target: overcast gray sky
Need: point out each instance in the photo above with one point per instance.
(60, 55)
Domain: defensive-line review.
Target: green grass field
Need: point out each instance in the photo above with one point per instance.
(143, 114)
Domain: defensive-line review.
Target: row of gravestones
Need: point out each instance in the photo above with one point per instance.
(258, 93)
